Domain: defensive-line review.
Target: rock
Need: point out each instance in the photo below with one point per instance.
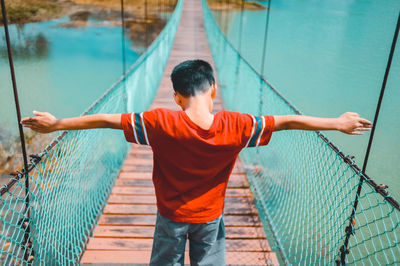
(80, 16)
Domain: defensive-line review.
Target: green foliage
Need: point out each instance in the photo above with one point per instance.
(20, 12)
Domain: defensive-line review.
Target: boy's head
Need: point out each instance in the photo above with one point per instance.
(192, 77)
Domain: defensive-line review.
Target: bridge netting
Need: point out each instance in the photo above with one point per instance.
(71, 180)
(304, 187)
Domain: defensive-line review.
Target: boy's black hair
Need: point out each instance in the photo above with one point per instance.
(192, 76)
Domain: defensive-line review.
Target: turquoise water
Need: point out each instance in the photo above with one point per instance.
(60, 70)
(329, 57)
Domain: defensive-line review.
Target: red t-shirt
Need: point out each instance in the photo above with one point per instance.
(192, 165)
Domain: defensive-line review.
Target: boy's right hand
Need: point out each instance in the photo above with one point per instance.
(42, 122)
(352, 124)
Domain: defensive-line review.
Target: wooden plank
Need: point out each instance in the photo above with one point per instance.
(119, 244)
(136, 175)
(238, 177)
(233, 182)
(140, 148)
(137, 199)
(148, 232)
(124, 231)
(238, 192)
(133, 190)
(242, 202)
(238, 183)
(230, 220)
(134, 182)
(146, 244)
(137, 161)
(116, 256)
(132, 209)
(251, 258)
(140, 151)
(135, 155)
(247, 245)
(243, 232)
(127, 220)
(241, 220)
(143, 257)
(141, 168)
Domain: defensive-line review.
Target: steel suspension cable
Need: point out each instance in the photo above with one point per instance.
(378, 107)
(25, 220)
(226, 16)
(15, 90)
(145, 24)
(264, 54)
(349, 229)
(239, 44)
(123, 38)
(241, 27)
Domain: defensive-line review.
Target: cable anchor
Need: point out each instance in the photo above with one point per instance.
(382, 189)
(349, 159)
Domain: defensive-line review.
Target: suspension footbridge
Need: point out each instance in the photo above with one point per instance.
(88, 197)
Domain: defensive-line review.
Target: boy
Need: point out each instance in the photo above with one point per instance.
(194, 154)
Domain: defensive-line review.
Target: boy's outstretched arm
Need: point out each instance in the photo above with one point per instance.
(349, 123)
(45, 122)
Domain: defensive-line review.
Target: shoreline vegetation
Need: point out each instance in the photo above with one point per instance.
(26, 11)
(10, 150)
(235, 5)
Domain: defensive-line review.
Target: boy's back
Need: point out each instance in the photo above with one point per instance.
(191, 164)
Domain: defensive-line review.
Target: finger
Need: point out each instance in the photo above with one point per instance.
(356, 133)
(38, 113)
(365, 121)
(363, 125)
(30, 124)
(354, 114)
(366, 125)
(362, 129)
(31, 120)
(24, 119)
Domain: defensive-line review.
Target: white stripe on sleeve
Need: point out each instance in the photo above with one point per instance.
(144, 129)
(262, 130)
(134, 128)
(252, 131)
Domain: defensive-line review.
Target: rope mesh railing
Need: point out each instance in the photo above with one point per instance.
(304, 187)
(71, 180)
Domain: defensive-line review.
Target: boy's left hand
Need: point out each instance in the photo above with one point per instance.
(352, 124)
(42, 122)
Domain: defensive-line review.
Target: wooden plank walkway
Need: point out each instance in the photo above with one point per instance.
(125, 230)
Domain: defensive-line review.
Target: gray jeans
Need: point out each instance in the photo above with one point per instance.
(206, 242)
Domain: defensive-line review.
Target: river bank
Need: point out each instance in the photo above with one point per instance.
(233, 5)
(25, 11)
(10, 149)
